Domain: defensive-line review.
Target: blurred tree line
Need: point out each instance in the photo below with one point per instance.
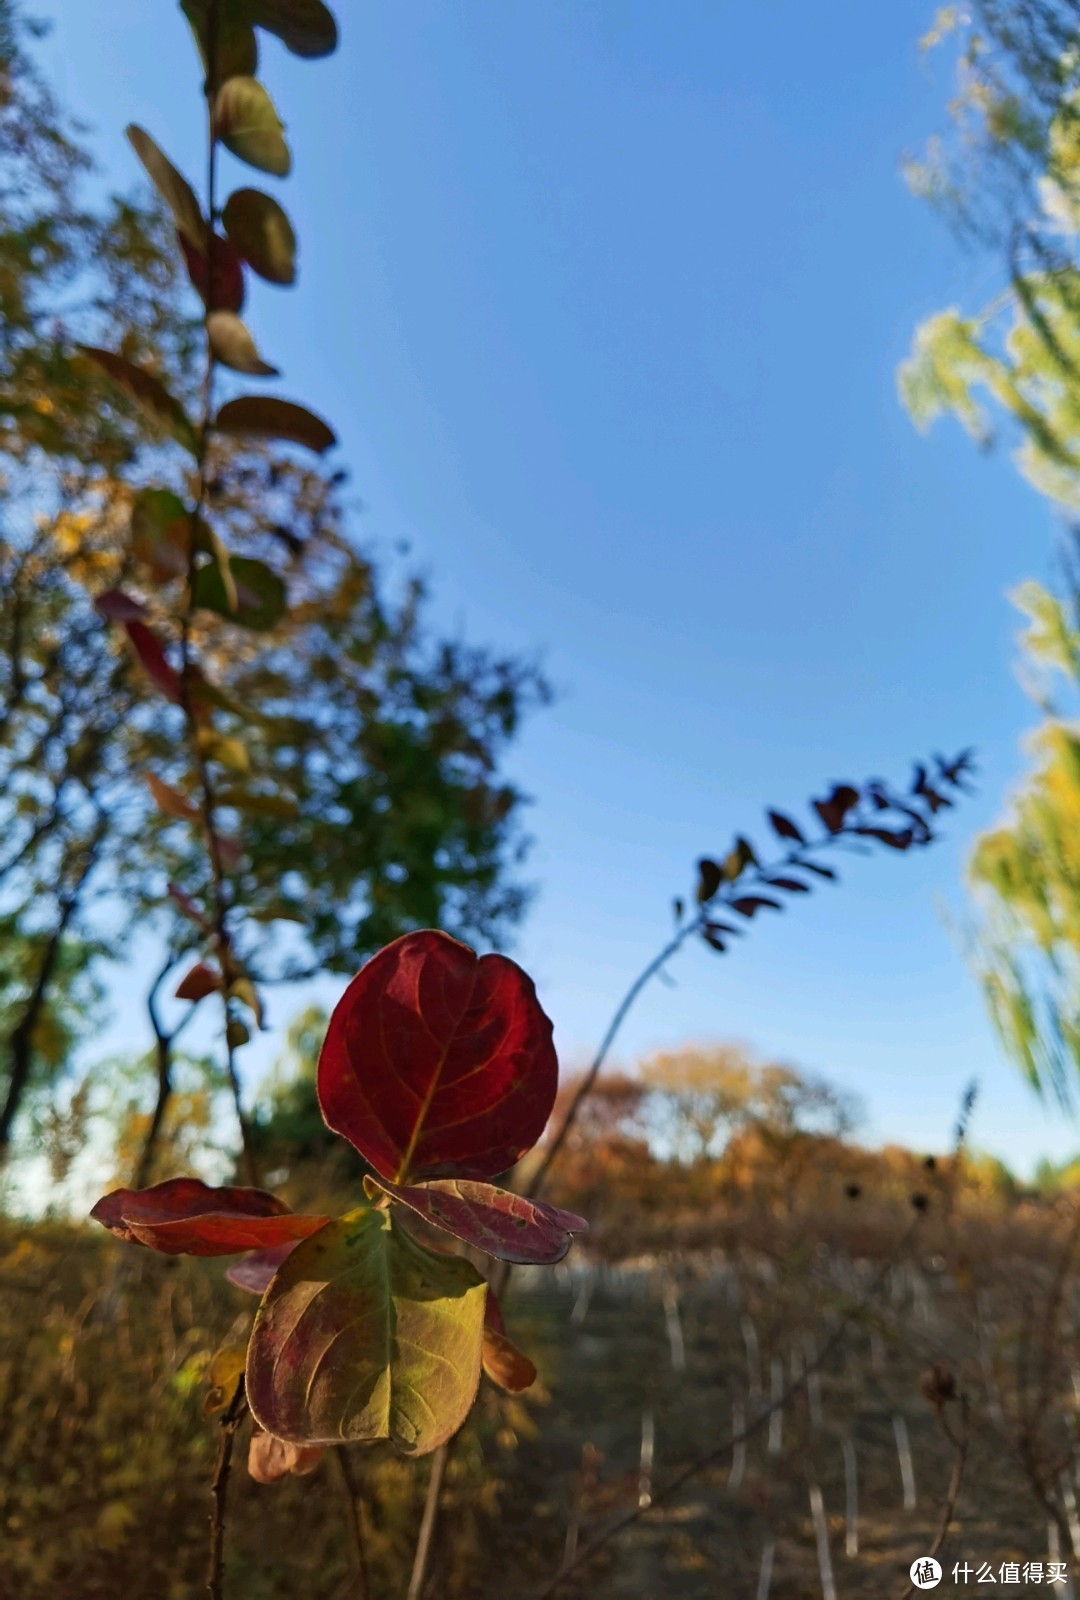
(1005, 172)
(363, 751)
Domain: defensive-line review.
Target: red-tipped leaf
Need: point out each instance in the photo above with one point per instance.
(502, 1224)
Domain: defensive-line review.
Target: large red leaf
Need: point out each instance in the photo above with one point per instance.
(526, 1232)
(184, 1217)
(438, 1061)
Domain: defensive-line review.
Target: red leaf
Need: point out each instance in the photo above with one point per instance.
(169, 800)
(493, 1317)
(505, 1364)
(833, 810)
(199, 982)
(437, 1060)
(502, 1361)
(502, 1224)
(895, 841)
(116, 606)
(820, 871)
(147, 646)
(710, 877)
(228, 285)
(231, 850)
(255, 1271)
(792, 885)
(785, 827)
(185, 1217)
(754, 902)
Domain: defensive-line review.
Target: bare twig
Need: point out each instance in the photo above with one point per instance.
(351, 1495)
(219, 1489)
(948, 1510)
(427, 1522)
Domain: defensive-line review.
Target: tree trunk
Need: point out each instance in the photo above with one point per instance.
(21, 1043)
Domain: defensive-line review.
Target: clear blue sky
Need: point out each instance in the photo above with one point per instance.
(606, 299)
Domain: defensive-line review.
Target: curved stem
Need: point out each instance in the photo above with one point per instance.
(585, 1087)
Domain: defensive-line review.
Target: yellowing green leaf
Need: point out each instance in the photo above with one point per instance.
(227, 752)
(223, 1374)
(160, 533)
(364, 1335)
(236, 44)
(172, 186)
(264, 805)
(259, 417)
(258, 595)
(148, 392)
(262, 234)
(244, 990)
(234, 347)
(247, 124)
(306, 27)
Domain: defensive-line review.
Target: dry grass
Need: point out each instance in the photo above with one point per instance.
(106, 1455)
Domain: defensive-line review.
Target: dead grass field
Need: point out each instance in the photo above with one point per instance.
(105, 1456)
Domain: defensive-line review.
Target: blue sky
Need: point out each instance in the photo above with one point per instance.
(606, 298)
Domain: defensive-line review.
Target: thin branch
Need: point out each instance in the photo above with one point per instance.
(351, 1495)
(948, 1510)
(751, 877)
(427, 1523)
(208, 801)
(219, 1490)
(163, 1048)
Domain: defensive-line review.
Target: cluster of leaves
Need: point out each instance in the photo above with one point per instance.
(848, 816)
(1010, 177)
(438, 1067)
(241, 646)
(1024, 872)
